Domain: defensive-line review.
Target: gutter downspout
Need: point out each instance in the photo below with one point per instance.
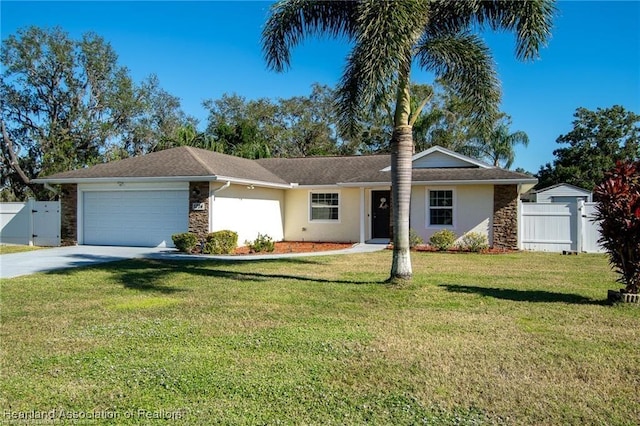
(50, 188)
(222, 188)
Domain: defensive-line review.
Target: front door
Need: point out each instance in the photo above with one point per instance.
(380, 213)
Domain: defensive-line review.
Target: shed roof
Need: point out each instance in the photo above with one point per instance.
(567, 186)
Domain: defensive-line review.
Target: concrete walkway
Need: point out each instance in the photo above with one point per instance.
(31, 262)
(49, 259)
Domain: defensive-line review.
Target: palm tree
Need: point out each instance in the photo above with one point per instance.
(387, 38)
(499, 145)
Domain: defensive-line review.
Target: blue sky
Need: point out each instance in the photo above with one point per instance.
(200, 50)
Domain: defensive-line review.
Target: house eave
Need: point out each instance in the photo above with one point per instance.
(477, 182)
(126, 179)
(255, 182)
(163, 179)
(324, 186)
(446, 182)
(363, 184)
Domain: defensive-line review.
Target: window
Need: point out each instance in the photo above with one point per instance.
(441, 207)
(325, 206)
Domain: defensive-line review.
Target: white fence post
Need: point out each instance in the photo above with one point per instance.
(580, 226)
(30, 206)
(520, 224)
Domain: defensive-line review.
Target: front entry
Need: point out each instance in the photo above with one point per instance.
(380, 214)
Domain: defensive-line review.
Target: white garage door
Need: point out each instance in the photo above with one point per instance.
(134, 218)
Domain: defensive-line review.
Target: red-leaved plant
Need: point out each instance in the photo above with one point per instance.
(618, 211)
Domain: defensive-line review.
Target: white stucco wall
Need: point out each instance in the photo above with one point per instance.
(299, 227)
(473, 210)
(247, 211)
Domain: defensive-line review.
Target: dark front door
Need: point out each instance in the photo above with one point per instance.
(381, 213)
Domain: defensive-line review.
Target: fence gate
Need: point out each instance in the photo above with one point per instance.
(46, 223)
(559, 227)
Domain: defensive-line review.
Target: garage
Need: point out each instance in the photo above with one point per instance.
(143, 218)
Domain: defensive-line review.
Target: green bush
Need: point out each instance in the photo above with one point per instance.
(618, 214)
(443, 240)
(414, 238)
(262, 243)
(185, 242)
(221, 242)
(474, 241)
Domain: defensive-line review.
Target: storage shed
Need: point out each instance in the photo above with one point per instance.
(562, 193)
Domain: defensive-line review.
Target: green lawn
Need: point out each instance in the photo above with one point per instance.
(476, 339)
(8, 249)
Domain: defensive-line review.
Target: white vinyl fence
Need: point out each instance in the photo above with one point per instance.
(34, 223)
(559, 227)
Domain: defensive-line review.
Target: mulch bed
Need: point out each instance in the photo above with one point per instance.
(429, 249)
(299, 247)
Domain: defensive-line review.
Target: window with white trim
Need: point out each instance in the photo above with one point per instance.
(324, 206)
(441, 207)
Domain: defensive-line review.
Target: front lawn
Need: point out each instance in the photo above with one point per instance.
(521, 338)
(8, 249)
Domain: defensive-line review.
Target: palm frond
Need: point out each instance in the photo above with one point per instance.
(464, 63)
(531, 20)
(385, 35)
(290, 21)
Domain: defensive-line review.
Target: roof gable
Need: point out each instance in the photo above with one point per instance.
(438, 157)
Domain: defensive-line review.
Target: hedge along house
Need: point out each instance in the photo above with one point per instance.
(142, 201)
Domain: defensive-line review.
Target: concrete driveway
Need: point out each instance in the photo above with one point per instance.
(30, 262)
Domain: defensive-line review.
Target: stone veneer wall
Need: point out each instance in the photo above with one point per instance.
(505, 216)
(69, 215)
(199, 219)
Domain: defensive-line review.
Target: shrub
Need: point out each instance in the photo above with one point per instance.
(443, 240)
(474, 241)
(262, 243)
(618, 211)
(414, 238)
(185, 242)
(221, 242)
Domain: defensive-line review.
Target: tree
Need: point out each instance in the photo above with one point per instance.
(388, 37)
(308, 124)
(618, 214)
(498, 145)
(597, 141)
(158, 123)
(295, 127)
(67, 104)
(240, 127)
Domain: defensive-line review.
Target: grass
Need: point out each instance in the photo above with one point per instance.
(8, 249)
(520, 338)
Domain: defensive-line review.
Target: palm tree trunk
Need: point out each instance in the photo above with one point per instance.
(401, 153)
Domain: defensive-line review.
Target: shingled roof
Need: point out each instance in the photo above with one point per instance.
(369, 169)
(181, 162)
(325, 170)
(188, 163)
